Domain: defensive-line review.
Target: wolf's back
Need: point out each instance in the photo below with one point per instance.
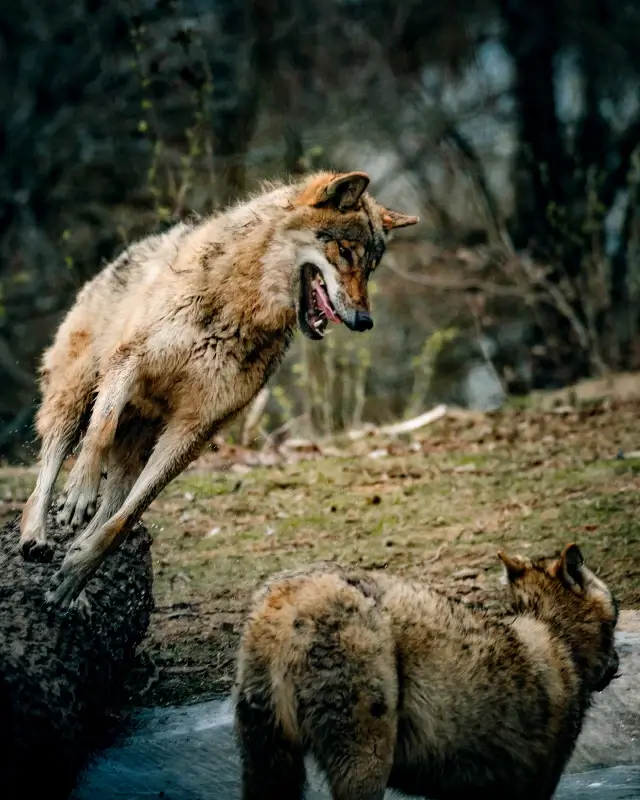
(120, 291)
(144, 260)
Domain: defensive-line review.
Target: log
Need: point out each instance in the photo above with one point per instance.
(61, 674)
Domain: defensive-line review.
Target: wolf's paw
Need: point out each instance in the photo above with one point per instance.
(36, 549)
(33, 537)
(77, 504)
(69, 581)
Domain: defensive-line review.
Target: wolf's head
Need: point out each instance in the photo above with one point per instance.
(571, 599)
(340, 234)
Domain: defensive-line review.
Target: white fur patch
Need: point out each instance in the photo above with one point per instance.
(311, 255)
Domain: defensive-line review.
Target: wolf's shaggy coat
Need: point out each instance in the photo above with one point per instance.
(391, 684)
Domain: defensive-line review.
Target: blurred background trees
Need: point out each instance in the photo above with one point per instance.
(512, 127)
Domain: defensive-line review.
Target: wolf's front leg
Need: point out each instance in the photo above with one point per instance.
(127, 457)
(77, 503)
(81, 492)
(178, 445)
(33, 524)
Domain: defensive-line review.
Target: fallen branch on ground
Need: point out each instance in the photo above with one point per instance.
(406, 426)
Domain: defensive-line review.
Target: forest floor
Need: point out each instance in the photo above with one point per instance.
(435, 505)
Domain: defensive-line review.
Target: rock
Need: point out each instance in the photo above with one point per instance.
(60, 674)
(612, 725)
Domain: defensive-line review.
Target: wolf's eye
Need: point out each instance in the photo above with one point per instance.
(345, 253)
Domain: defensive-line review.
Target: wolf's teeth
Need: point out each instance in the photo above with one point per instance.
(320, 280)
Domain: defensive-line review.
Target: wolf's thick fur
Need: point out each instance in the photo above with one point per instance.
(391, 684)
(177, 335)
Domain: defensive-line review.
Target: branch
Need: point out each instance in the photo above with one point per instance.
(459, 285)
(407, 426)
(476, 172)
(564, 307)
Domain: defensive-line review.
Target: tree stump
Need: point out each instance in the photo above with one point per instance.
(61, 672)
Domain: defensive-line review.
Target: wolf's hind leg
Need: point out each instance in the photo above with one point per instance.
(350, 717)
(81, 492)
(272, 766)
(356, 770)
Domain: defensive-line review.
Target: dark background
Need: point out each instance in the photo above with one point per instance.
(511, 126)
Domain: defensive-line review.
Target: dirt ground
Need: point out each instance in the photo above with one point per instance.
(436, 505)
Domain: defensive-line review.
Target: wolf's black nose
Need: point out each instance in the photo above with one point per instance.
(364, 321)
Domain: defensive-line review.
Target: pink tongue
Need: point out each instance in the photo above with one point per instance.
(323, 303)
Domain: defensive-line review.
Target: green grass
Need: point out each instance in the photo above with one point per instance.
(523, 480)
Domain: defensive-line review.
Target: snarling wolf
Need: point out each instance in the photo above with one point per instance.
(391, 684)
(175, 337)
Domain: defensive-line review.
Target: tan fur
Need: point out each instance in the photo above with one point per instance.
(391, 684)
(175, 337)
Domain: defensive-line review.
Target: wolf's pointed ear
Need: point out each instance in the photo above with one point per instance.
(514, 567)
(341, 191)
(395, 219)
(569, 566)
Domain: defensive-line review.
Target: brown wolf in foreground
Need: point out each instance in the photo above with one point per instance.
(176, 336)
(391, 684)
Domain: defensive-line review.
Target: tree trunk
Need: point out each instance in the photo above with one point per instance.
(532, 39)
(235, 98)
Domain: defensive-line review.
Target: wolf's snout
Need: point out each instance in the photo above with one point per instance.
(364, 321)
(358, 321)
(609, 672)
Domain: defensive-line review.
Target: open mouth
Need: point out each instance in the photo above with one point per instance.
(315, 310)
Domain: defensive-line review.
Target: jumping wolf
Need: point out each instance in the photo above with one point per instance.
(391, 684)
(176, 336)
